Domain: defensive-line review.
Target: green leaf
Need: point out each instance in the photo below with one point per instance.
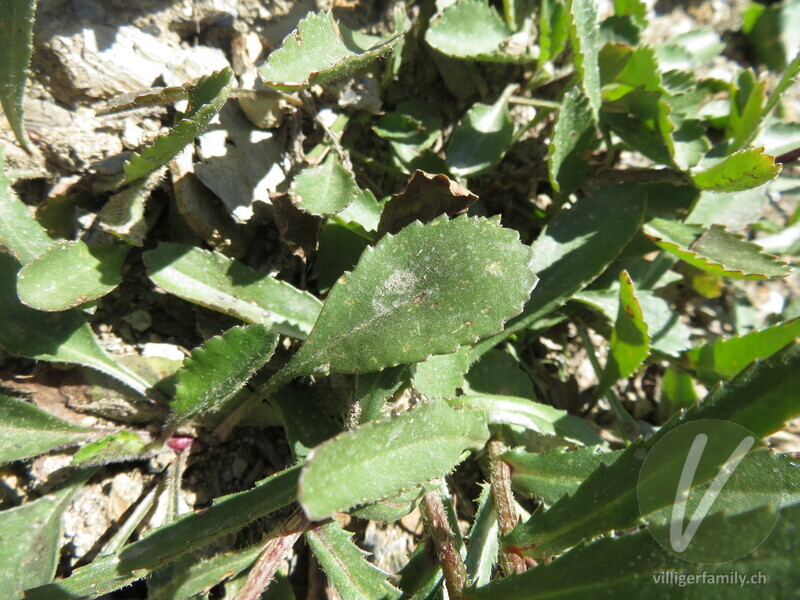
(471, 29)
(428, 290)
(424, 198)
(16, 23)
(788, 78)
(206, 98)
(498, 373)
(636, 566)
(761, 398)
(156, 96)
(725, 358)
(215, 281)
(373, 389)
(669, 334)
(584, 32)
(483, 539)
(550, 423)
(553, 30)
(740, 171)
(747, 107)
(715, 250)
(199, 575)
(630, 340)
(20, 233)
(326, 189)
(169, 542)
(305, 424)
(61, 337)
(393, 508)
(219, 369)
(124, 213)
(30, 540)
(346, 566)
(364, 211)
(69, 274)
(556, 473)
(382, 458)
(576, 247)
(440, 376)
(117, 447)
(481, 138)
(28, 431)
(573, 136)
(320, 50)
(635, 8)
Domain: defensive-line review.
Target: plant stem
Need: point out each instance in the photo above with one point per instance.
(438, 527)
(500, 474)
(627, 424)
(281, 540)
(538, 102)
(637, 176)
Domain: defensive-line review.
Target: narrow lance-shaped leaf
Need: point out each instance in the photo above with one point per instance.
(216, 281)
(428, 290)
(573, 135)
(585, 35)
(382, 458)
(28, 431)
(121, 446)
(20, 233)
(715, 250)
(787, 79)
(217, 370)
(575, 248)
(30, 539)
(346, 565)
(482, 138)
(206, 98)
(474, 30)
(554, 474)
(16, 23)
(320, 50)
(60, 337)
(545, 420)
(738, 172)
(635, 566)
(761, 398)
(124, 213)
(483, 543)
(84, 273)
(725, 358)
(326, 189)
(630, 341)
(169, 542)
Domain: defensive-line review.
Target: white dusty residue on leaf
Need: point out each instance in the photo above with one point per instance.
(393, 292)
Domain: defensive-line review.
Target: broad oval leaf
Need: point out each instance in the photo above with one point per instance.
(216, 281)
(28, 431)
(482, 138)
(715, 250)
(57, 337)
(383, 458)
(326, 189)
(474, 30)
(740, 171)
(217, 370)
(428, 290)
(320, 50)
(206, 98)
(70, 274)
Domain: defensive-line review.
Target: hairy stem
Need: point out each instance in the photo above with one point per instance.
(507, 517)
(447, 549)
